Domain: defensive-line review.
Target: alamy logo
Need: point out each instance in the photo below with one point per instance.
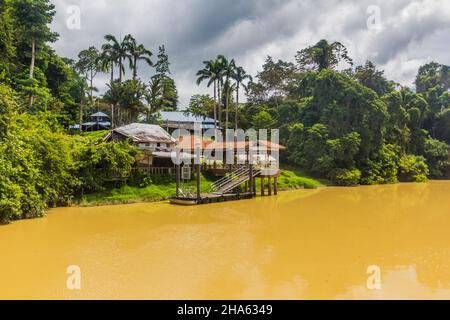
(374, 279)
(73, 21)
(374, 19)
(73, 281)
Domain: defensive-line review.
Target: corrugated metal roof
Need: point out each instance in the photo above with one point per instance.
(142, 133)
(104, 124)
(180, 116)
(99, 114)
(173, 155)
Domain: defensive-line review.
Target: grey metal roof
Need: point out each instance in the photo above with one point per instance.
(100, 114)
(103, 124)
(173, 155)
(142, 133)
(181, 116)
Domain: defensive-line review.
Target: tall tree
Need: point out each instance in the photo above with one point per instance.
(163, 65)
(137, 52)
(374, 79)
(89, 64)
(239, 76)
(32, 20)
(227, 70)
(211, 73)
(433, 75)
(274, 82)
(322, 55)
(107, 60)
(117, 50)
(169, 100)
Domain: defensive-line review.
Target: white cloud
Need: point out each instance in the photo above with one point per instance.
(413, 32)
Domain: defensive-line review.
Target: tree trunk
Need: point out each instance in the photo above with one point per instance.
(112, 116)
(135, 69)
(112, 72)
(120, 70)
(227, 94)
(81, 115)
(92, 86)
(215, 106)
(33, 60)
(237, 106)
(218, 107)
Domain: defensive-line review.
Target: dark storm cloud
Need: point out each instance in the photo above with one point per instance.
(412, 32)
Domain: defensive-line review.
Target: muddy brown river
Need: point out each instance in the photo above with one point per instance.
(305, 244)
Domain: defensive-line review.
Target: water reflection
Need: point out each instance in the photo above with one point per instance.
(306, 244)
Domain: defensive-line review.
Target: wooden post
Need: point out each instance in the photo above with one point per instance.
(275, 186)
(270, 185)
(252, 186)
(177, 170)
(262, 187)
(198, 183)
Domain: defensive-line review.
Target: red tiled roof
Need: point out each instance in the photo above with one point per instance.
(189, 143)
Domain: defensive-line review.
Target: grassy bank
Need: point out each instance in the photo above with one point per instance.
(155, 189)
(161, 188)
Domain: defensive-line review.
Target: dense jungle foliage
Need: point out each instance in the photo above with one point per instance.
(351, 126)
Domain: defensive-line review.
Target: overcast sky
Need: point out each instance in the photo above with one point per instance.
(408, 34)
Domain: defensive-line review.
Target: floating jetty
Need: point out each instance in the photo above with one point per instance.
(207, 198)
(238, 184)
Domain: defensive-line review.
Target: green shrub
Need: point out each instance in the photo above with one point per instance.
(413, 169)
(437, 158)
(98, 163)
(346, 177)
(382, 168)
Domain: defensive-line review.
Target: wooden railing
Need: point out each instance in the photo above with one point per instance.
(154, 170)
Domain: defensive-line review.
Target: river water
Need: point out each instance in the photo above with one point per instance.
(305, 244)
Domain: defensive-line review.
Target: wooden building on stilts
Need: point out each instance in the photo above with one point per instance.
(235, 181)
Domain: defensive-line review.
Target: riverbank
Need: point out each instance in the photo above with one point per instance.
(161, 188)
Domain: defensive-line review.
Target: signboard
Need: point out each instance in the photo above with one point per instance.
(186, 173)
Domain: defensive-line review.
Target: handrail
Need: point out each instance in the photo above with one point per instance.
(233, 176)
(229, 177)
(233, 180)
(237, 182)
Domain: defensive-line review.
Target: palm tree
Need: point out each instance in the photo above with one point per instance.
(107, 61)
(212, 73)
(118, 50)
(136, 53)
(239, 76)
(113, 96)
(227, 70)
